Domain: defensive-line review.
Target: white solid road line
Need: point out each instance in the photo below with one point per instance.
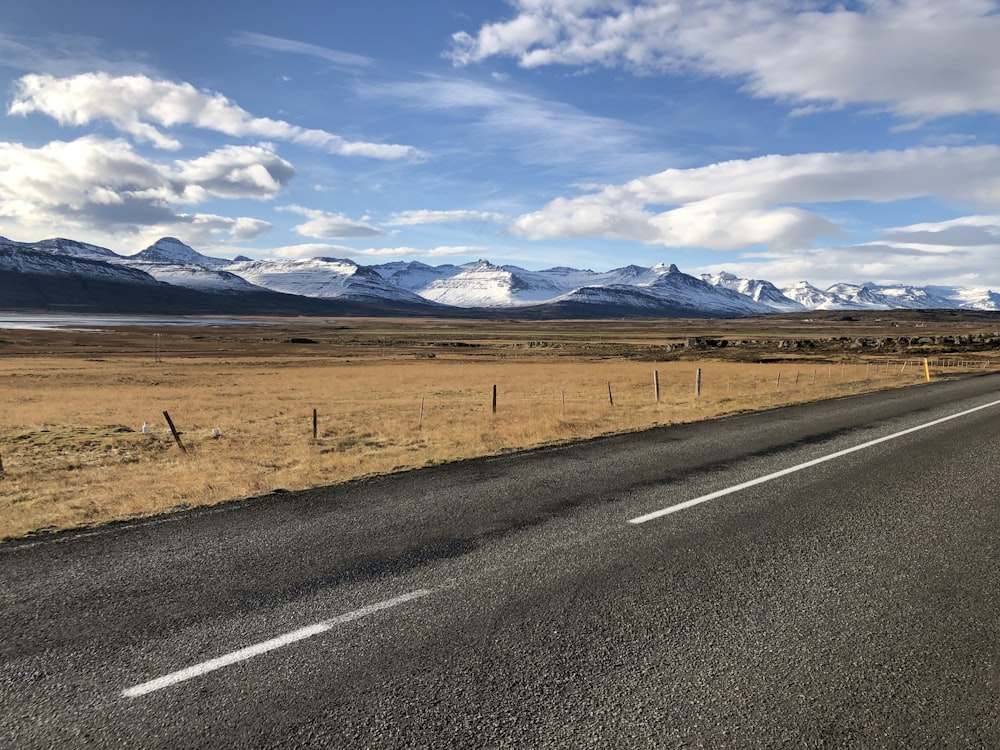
(261, 648)
(792, 469)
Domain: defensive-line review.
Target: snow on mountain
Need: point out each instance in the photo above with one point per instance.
(903, 296)
(857, 296)
(23, 260)
(171, 261)
(569, 279)
(757, 290)
(198, 277)
(414, 275)
(617, 300)
(321, 277)
(682, 288)
(483, 284)
(660, 289)
(486, 285)
(812, 298)
(61, 246)
(172, 251)
(967, 298)
(663, 290)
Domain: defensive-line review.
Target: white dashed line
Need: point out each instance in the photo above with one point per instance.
(792, 469)
(269, 645)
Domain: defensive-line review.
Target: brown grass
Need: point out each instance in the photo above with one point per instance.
(73, 452)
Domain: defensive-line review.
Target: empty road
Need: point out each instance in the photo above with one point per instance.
(817, 576)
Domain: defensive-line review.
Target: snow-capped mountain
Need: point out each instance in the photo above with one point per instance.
(61, 246)
(874, 296)
(413, 275)
(757, 290)
(171, 261)
(196, 277)
(891, 297)
(485, 285)
(812, 298)
(43, 263)
(968, 298)
(682, 288)
(171, 251)
(404, 287)
(326, 278)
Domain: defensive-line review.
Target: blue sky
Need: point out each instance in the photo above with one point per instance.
(788, 140)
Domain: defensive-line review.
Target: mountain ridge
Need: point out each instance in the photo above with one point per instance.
(480, 287)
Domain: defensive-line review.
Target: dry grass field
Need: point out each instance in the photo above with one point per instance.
(390, 395)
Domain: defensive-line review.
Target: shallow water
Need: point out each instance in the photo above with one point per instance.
(43, 322)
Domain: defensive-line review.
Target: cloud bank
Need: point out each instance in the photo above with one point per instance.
(741, 203)
(94, 183)
(919, 59)
(144, 108)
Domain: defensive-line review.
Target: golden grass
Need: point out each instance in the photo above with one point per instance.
(73, 452)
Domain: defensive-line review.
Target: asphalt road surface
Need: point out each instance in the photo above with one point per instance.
(833, 585)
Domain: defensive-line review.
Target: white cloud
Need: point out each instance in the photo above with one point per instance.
(67, 54)
(144, 108)
(95, 184)
(878, 262)
(918, 58)
(964, 231)
(539, 131)
(741, 203)
(964, 251)
(424, 216)
(309, 250)
(313, 250)
(441, 251)
(236, 172)
(339, 58)
(330, 226)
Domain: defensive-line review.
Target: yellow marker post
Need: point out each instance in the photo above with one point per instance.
(927, 370)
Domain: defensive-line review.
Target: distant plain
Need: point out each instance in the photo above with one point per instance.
(396, 394)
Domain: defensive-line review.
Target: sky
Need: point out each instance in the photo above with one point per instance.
(786, 140)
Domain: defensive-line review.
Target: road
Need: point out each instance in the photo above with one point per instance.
(836, 587)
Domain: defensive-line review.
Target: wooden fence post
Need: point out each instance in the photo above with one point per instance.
(611, 398)
(173, 431)
(656, 385)
(697, 383)
(494, 398)
(315, 424)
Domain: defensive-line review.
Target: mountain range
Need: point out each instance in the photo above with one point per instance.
(169, 276)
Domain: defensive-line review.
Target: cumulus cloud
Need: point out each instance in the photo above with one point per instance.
(917, 58)
(145, 108)
(741, 203)
(423, 216)
(94, 183)
(235, 172)
(330, 226)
